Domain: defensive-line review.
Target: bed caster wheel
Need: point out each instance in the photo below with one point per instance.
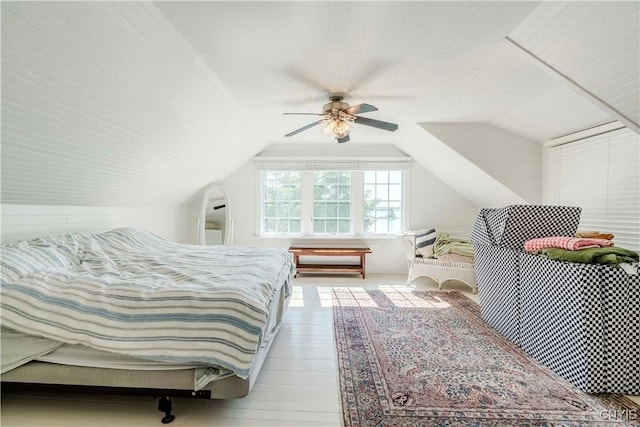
(164, 405)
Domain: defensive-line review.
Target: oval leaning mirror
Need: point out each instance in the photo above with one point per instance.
(214, 228)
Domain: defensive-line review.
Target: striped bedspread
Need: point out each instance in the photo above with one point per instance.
(131, 292)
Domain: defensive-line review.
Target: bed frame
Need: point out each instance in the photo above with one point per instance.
(159, 383)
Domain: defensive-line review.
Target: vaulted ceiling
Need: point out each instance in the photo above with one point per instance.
(123, 103)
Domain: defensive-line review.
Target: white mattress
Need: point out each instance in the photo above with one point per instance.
(79, 355)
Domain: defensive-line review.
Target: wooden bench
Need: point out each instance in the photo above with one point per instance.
(330, 249)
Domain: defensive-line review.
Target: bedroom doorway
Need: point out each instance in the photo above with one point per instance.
(215, 227)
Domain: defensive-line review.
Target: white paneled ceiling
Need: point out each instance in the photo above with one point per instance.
(107, 104)
(145, 103)
(596, 44)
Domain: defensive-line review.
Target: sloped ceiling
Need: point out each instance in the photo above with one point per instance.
(122, 103)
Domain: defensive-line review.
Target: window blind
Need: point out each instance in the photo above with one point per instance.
(601, 174)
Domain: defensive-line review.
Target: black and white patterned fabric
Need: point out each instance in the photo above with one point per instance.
(498, 236)
(497, 278)
(425, 239)
(580, 320)
(561, 319)
(621, 310)
(481, 233)
(513, 225)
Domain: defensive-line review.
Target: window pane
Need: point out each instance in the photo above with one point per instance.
(295, 226)
(382, 192)
(283, 225)
(319, 210)
(332, 226)
(295, 210)
(395, 177)
(270, 194)
(395, 205)
(368, 214)
(395, 192)
(331, 192)
(344, 192)
(294, 178)
(270, 178)
(318, 226)
(382, 177)
(283, 193)
(269, 209)
(283, 209)
(295, 192)
(344, 210)
(344, 226)
(369, 177)
(395, 217)
(369, 225)
(369, 192)
(382, 209)
(270, 225)
(332, 210)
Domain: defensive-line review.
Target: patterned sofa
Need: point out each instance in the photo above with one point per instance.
(580, 320)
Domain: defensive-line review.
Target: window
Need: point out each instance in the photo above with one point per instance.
(332, 203)
(601, 175)
(281, 192)
(382, 211)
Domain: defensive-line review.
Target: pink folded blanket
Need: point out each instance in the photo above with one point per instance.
(564, 242)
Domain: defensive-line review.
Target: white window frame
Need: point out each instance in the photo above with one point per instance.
(357, 204)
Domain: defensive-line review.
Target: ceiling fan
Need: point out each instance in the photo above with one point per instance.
(338, 117)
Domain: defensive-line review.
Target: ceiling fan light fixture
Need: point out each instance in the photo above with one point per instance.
(338, 123)
(337, 128)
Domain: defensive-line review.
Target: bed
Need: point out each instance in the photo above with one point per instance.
(126, 309)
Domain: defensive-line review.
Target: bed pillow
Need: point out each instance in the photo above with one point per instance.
(424, 242)
(17, 262)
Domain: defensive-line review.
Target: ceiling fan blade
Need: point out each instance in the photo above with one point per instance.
(304, 128)
(376, 123)
(361, 108)
(341, 140)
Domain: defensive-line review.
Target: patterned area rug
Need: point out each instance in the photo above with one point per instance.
(428, 359)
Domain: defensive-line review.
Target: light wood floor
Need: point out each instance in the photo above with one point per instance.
(296, 387)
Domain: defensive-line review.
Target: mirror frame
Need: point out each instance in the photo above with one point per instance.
(228, 226)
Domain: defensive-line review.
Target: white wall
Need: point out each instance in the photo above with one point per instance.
(433, 203)
(513, 160)
(193, 215)
(21, 222)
